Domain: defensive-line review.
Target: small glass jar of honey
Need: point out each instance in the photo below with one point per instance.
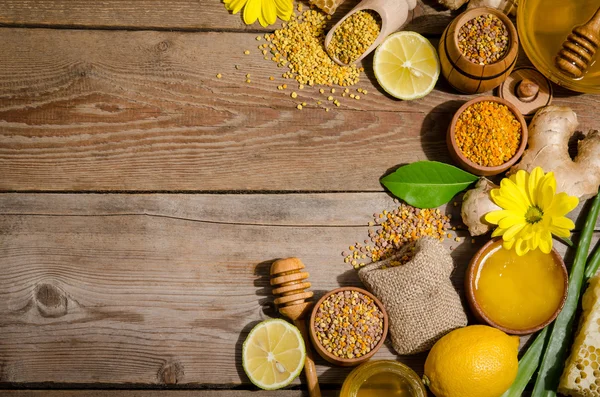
(383, 378)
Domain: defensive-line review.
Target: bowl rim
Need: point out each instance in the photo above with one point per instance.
(474, 265)
(471, 13)
(346, 361)
(543, 67)
(480, 168)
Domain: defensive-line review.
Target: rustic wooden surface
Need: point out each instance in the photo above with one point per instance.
(162, 288)
(142, 199)
(77, 109)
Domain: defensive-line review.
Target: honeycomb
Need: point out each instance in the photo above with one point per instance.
(329, 6)
(581, 377)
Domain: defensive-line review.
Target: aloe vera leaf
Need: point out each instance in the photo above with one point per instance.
(562, 330)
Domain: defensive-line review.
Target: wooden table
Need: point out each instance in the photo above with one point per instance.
(143, 199)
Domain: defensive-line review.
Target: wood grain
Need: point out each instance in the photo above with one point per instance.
(168, 393)
(161, 393)
(141, 289)
(192, 15)
(135, 111)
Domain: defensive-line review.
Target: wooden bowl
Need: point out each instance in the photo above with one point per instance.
(470, 278)
(346, 362)
(471, 166)
(467, 76)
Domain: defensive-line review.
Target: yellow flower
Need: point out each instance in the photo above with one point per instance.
(531, 211)
(266, 11)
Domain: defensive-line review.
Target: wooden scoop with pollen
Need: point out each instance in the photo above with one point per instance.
(394, 14)
(289, 288)
(579, 48)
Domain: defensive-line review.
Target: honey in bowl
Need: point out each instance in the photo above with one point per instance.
(383, 378)
(543, 27)
(387, 384)
(518, 294)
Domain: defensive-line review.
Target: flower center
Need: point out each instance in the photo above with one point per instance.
(534, 215)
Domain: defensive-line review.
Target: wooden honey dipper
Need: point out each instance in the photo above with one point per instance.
(580, 47)
(289, 287)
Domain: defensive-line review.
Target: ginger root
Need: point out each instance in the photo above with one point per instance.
(548, 141)
(548, 147)
(452, 4)
(477, 203)
(507, 6)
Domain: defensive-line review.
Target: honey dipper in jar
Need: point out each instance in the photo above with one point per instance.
(579, 48)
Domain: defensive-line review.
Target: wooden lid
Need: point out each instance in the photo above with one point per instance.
(526, 102)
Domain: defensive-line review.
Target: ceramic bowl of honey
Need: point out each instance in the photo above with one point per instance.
(383, 378)
(516, 294)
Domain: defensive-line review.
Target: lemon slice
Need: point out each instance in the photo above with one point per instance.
(273, 354)
(406, 65)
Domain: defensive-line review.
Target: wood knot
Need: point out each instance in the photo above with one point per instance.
(163, 46)
(51, 300)
(83, 69)
(171, 373)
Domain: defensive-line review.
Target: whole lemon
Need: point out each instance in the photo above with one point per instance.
(474, 361)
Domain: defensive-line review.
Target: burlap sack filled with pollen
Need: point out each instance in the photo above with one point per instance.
(419, 297)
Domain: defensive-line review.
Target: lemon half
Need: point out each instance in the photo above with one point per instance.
(273, 354)
(406, 65)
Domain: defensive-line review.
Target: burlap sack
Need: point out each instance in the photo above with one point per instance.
(420, 300)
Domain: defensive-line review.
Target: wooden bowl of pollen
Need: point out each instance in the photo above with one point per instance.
(471, 166)
(465, 75)
(331, 358)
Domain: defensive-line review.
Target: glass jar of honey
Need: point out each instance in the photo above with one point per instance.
(383, 378)
(544, 25)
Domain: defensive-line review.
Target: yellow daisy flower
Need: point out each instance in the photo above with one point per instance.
(266, 11)
(531, 211)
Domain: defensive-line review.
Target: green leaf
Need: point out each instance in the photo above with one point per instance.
(565, 240)
(427, 184)
(528, 364)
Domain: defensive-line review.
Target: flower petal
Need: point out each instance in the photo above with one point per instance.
(235, 5)
(252, 11)
(513, 231)
(545, 241)
(494, 217)
(511, 189)
(546, 191)
(533, 184)
(559, 231)
(269, 12)
(562, 205)
(498, 232)
(508, 244)
(284, 7)
(535, 239)
(520, 181)
(563, 222)
(507, 202)
(521, 247)
(528, 232)
(511, 220)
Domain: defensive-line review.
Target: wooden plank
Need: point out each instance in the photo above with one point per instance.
(167, 393)
(161, 393)
(428, 18)
(113, 110)
(137, 289)
(283, 210)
